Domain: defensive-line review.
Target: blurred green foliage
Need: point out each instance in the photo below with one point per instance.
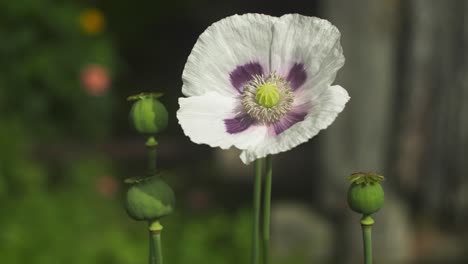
(43, 51)
(49, 208)
(77, 224)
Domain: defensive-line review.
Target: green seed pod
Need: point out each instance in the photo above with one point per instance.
(148, 114)
(365, 195)
(150, 199)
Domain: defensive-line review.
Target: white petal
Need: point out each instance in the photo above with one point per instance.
(202, 119)
(228, 43)
(323, 112)
(311, 41)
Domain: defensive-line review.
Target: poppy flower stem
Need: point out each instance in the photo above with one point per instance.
(155, 252)
(152, 256)
(151, 144)
(155, 243)
(256, 207)
(266, 210)
(366, 224)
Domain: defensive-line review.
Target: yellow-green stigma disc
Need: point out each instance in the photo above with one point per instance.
(267, 95)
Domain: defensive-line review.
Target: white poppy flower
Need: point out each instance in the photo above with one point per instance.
(262, 83)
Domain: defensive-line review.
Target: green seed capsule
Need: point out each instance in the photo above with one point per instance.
(365, 195)
(150, 199)
(148, 114)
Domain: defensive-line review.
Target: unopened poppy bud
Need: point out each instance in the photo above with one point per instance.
(148, 114)
(365, 195)
(150, 199)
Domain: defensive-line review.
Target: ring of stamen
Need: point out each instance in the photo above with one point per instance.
(267, 114)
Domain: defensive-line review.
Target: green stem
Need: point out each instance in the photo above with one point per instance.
(266, 210)
(156, 237)
(256, 207)
(151, 144)
(366, 224)
(155, 243)
(152, 256)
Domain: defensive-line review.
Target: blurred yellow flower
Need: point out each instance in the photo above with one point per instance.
(92, 21)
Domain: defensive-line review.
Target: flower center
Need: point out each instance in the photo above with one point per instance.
(267, 98)
(267, 95)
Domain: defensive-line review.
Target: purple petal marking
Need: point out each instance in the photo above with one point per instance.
(297, 76)
(287, 121)
(244, 73)
(238, 124)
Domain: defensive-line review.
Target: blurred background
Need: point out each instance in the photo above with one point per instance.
(66, 68)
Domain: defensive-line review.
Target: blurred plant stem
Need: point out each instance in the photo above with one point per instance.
(151, 144)
(256, 206)
(152, 256)
(155, 243)
(155, 252)
(266, 210)
(366, 224)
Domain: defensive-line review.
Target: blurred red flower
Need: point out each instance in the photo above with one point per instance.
(107, 186)
(95, 79)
